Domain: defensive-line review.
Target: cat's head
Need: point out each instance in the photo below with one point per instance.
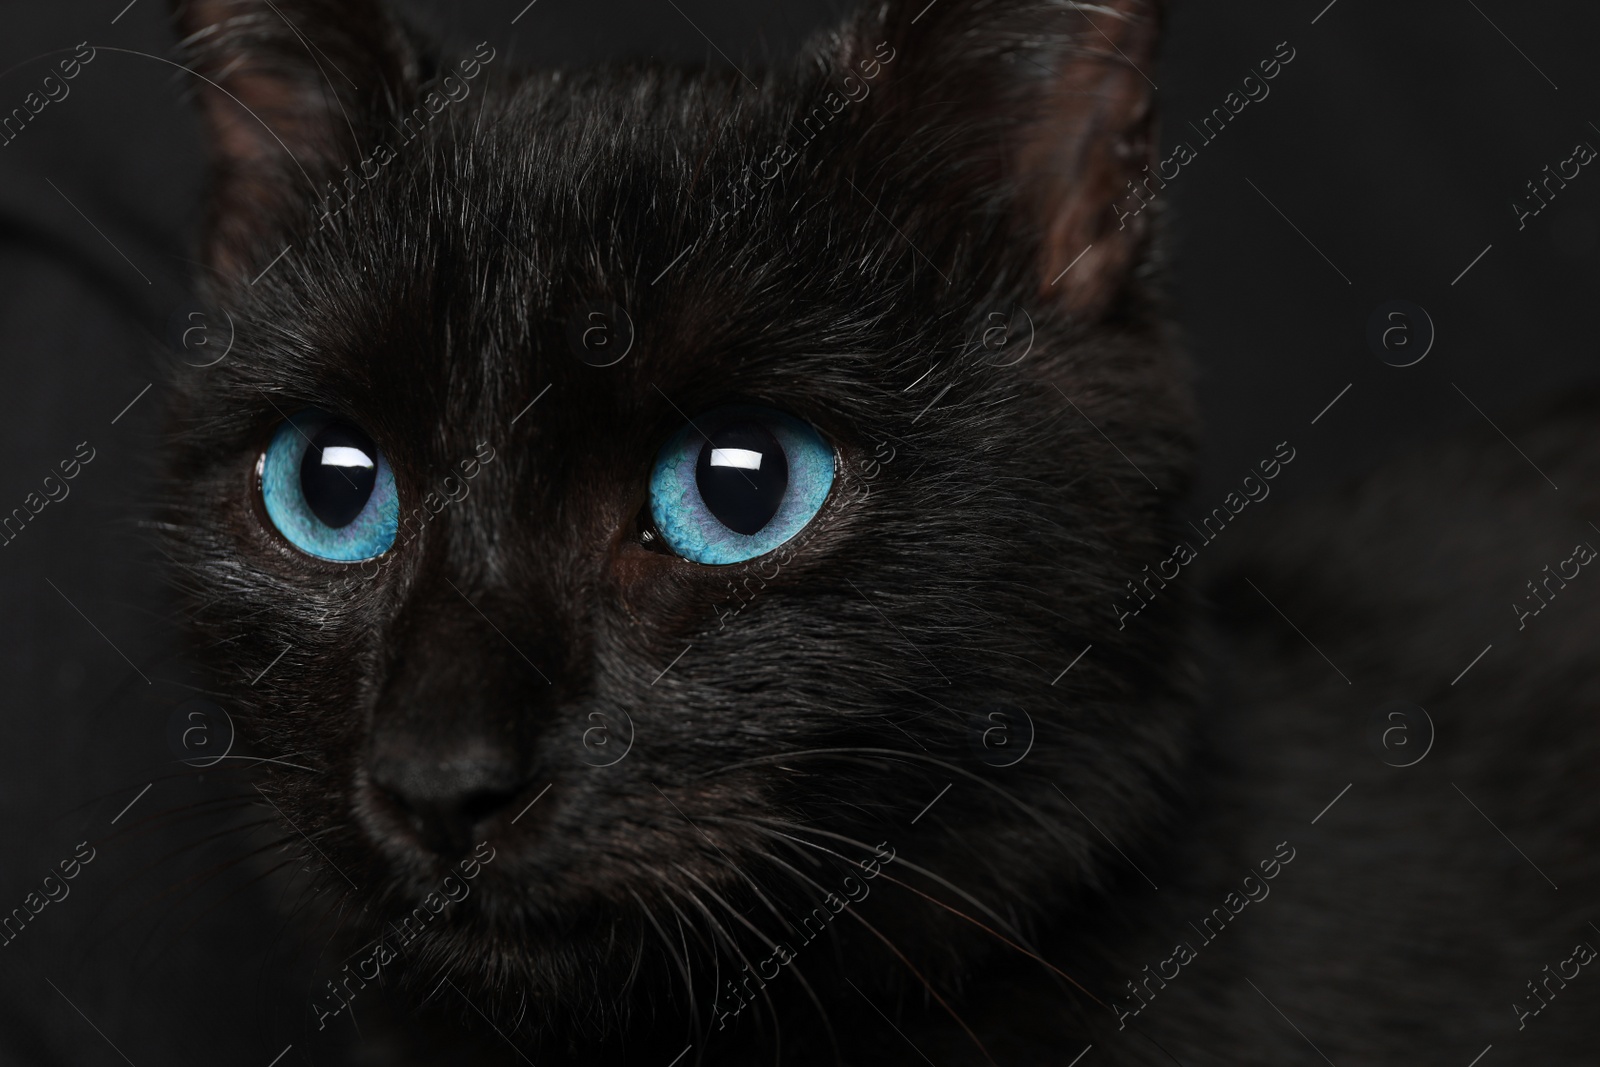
(689, 485)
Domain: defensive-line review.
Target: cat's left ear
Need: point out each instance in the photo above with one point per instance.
(1040, 110)
(289, 91)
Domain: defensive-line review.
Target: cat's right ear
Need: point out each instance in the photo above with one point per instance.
(1035, 115)
(289, 90)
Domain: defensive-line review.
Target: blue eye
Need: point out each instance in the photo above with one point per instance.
(328, 489)
(737, 483)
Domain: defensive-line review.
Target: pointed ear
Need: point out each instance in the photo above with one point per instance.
(1036, 109)
(288, 91)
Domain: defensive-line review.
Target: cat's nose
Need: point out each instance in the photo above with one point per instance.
(445, 798)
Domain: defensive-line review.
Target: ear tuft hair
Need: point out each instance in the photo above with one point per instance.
(1042, 103)
(288, 89)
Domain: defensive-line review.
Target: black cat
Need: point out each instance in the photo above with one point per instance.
(714, 547)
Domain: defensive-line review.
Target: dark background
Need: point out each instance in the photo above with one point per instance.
(1395, 141)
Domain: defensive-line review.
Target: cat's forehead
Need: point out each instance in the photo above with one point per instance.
(625, 256)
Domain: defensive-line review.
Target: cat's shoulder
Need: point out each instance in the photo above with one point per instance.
(1437, 545)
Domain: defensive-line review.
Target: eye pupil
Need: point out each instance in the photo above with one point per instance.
(338, 473)
(742, 474)
(753, 483)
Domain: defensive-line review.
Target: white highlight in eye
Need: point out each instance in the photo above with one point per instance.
(743, 458)
(345, 456)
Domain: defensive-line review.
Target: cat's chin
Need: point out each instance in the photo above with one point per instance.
(575, 972)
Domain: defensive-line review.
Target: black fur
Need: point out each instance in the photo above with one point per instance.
(789, 723)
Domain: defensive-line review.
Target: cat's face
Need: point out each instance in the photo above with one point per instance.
(682, 686)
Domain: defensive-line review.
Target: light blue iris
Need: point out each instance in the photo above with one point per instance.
(689, 527)
(371, 533)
